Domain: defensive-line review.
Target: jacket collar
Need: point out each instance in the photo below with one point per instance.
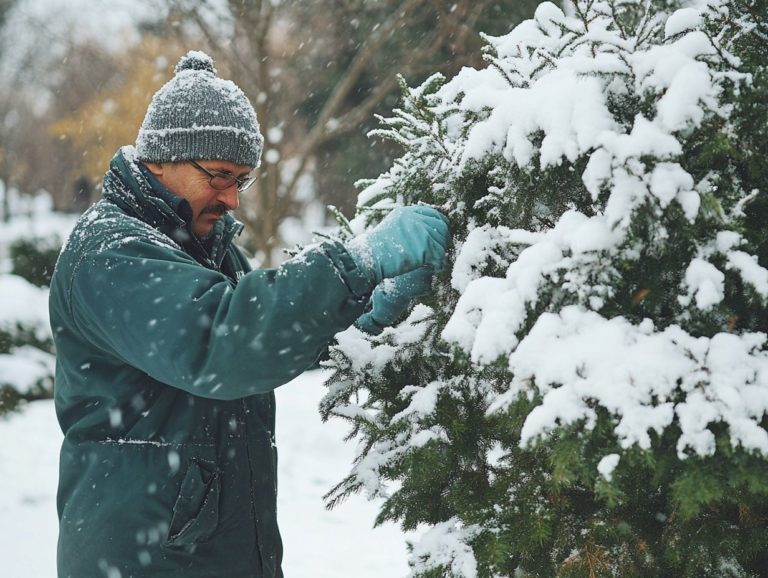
(133, 188)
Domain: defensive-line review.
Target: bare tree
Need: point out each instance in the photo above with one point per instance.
(41, 84)
(8, 119)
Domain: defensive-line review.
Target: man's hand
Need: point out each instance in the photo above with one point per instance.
(407, 238)
(391, 298)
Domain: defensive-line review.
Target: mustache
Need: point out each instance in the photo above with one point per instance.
(219, 209)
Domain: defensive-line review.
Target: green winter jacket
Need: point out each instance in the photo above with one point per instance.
(168, 350)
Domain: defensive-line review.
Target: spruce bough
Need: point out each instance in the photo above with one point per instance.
(586, 391)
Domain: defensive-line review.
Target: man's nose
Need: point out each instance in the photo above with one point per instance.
(230, 197)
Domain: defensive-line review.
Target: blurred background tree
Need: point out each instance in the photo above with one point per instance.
(316, 71)
(110, 118)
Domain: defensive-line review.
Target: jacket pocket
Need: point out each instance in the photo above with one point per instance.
(196, 511)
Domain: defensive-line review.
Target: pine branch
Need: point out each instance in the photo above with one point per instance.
(341, 492)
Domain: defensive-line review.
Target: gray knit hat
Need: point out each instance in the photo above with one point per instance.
(198, 116)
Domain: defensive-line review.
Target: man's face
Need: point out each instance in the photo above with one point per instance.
(189, 182)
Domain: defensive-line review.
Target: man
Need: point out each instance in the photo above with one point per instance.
(169, 347)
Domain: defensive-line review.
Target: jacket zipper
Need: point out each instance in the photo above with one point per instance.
(254, 514)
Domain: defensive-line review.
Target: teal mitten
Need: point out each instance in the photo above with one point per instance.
(407, 238)
(391, 298)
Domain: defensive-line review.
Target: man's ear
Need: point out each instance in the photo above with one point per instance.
(155, 168)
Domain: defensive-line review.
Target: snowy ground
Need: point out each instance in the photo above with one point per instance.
(313, 457)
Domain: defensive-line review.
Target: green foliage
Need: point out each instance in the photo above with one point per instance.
(11, 339)
(12, 400)
(34, 259)
(21, 335)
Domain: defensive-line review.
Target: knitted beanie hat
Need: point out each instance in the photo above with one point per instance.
(198, 116)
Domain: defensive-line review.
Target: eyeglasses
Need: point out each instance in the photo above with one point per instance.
(222, 181)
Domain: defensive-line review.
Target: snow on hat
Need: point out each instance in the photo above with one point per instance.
(198, 116)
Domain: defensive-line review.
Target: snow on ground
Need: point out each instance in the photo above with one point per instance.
(313, 457)
(29, 457)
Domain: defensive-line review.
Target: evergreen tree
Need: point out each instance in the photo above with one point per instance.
(27, 356)
(26, 346)
(586, 391)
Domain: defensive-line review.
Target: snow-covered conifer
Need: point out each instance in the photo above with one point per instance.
(26, 347)
(586, 392)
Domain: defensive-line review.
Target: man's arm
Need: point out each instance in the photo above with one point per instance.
(161, 312)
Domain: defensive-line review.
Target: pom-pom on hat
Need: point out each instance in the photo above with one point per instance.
(198, 116)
